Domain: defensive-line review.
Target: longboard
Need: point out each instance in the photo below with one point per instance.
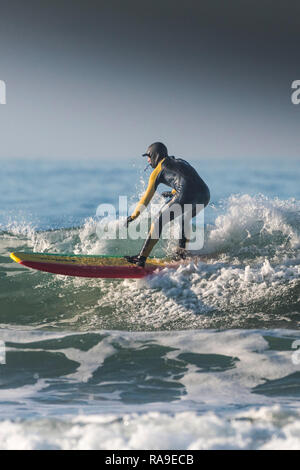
(100, 266)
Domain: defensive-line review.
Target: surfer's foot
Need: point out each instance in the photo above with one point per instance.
(138, 260)
(180, 253)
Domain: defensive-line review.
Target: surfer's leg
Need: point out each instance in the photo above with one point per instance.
(190, 211)
(151, 240)
(183, 235)
(153, 236)
(165, 215)
(170, 211)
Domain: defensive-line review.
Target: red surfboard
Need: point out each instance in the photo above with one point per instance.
(101, 266)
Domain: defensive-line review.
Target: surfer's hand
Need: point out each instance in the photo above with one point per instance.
(128, 220)
(167, 194)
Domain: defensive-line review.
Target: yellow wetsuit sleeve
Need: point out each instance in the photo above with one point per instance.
(146, 198)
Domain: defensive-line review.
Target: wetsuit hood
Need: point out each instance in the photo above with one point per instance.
(156, 152)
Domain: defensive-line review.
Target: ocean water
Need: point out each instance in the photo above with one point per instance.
(202, 357)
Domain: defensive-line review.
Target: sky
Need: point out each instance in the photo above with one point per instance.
(104, 79)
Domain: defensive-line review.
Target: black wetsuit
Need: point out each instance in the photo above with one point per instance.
(188, 188)
(184, 179)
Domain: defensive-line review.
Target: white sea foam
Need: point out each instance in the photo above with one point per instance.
(220, 408)
(255, 268)
(244, 226)
(255, 428)
(199, 288)
(255, 225)
(222, 389)
(252, 362)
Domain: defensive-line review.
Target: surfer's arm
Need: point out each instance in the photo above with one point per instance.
(151, 188)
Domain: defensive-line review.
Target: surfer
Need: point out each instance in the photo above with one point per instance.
(187, 189)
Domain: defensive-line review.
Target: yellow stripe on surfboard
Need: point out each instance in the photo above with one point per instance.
(78, 260)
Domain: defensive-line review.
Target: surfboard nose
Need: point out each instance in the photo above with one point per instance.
(15, 257)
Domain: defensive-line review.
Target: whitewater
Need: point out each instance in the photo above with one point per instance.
(204, 356)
